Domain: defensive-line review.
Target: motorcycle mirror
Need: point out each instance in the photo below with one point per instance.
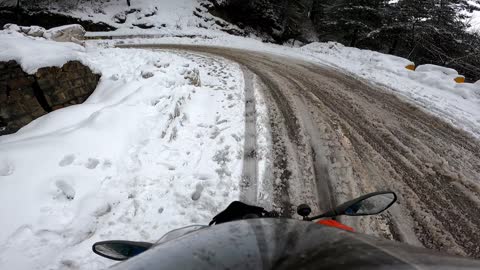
(369, 204)
(119, 250)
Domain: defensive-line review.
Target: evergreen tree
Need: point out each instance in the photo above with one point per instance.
(354, 20)
(297, 23)
(435, 32)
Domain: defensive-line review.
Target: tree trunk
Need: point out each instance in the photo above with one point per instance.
(394, 46)
(128, 2)
(17, 12)
(354, 38)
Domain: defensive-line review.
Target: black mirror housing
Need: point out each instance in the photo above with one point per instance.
(120, 250)
(369, 204)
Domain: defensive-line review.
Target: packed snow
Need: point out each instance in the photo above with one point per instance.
(157, 146)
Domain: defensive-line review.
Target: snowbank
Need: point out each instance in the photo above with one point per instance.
(437, 69)
(34, 53)
(437, 77)
(429, 86)
(370, 59)
(143, 155)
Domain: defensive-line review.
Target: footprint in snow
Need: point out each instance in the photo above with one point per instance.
(67, 160)
(198, 192)
(65, 190)
(202, 176)
(92, 163)
(6, 168)
(106, 164)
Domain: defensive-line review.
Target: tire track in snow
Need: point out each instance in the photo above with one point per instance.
(249, 182)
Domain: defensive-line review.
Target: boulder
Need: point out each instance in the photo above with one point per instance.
(33, 31)
(12, 27)
(67, 33)
(120, 17)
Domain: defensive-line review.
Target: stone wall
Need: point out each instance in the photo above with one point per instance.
(25, 97)
(18, 104)
(71, 84)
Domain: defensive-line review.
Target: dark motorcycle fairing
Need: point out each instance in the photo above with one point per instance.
(274, 243)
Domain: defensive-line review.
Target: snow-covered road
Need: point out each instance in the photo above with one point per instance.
(333, 134)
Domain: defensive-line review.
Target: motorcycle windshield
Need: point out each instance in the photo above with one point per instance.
(174, 234)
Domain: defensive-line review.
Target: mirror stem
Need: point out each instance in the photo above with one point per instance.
(315, 217)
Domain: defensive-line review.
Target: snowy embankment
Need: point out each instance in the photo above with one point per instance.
(157, 146)
(431, 88)
(35, 53)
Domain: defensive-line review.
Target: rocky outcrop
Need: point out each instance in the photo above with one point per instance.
(282, 20)
(25, 97)
(66, 33)
(46, 19)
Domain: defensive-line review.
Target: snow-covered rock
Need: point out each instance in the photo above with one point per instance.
(120, 17)
(12, 27)
(33, 31)
(67, 33)
(437, 69)
(34, 53)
